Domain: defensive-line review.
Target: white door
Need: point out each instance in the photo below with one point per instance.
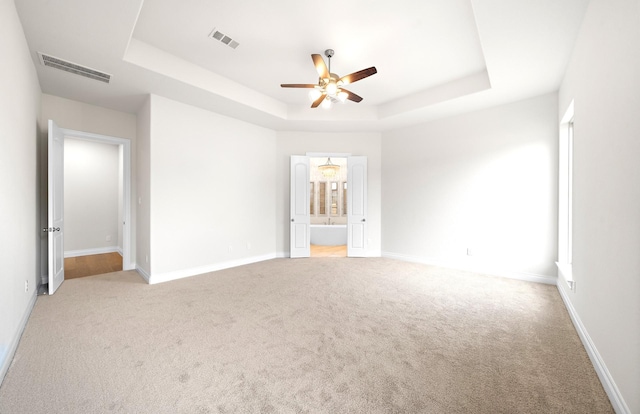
(56, 207)
(357, 207)
(300, 238)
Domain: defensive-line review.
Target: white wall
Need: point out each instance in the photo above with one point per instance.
(603, 78)
(143, 185)
(485, 181)
(299, 143)
(19, 131)
(91, 196)
(212, 193)
(84, 117)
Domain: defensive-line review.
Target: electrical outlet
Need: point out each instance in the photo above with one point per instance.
(230, 248)
(26, 286)
(248, 246)
(146, 258)
(108, 237)
(469, 251)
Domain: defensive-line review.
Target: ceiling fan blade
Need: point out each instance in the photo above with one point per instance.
(318, 62)
(318, 101)
(351, 96)
(297, 85)
(356, 76)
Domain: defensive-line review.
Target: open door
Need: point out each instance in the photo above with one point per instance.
(55, 212)
(357, 207)
(300, 226)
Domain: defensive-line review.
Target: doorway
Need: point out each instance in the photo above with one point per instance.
(328, 204)
(92, 207)
(55, 202)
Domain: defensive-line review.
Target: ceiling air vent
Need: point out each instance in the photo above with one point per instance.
(70, 67)
(215, 34)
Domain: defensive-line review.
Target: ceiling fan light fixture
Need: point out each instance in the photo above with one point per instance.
(314, 94)
(329, 86)
(332, 89)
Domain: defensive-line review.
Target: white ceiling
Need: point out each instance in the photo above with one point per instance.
(434, 58)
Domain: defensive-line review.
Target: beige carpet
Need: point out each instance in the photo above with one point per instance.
(303, 336)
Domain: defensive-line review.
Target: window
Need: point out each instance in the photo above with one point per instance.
(344, 199)
(565, 198)
(334, 198)
(312, 199)
(322, 198)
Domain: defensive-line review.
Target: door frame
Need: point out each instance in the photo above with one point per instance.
(125, 145)
(346, 155)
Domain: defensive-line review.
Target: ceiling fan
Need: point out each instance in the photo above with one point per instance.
(330, 86)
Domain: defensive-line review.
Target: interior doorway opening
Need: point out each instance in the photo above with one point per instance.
(93, 210)
(355, 202)
(55, 225)
(328, 206)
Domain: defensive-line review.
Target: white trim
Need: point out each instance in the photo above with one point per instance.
(13, 346)
(328, 154)
(180, 274)
(144, 274)
(97, 250)
(565, 188)
(127, 261)
(568, 114)
(609, 385)
(565, 272)
(472, 267)
(282, 255)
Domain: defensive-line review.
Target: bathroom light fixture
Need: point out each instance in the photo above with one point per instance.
(329, 169)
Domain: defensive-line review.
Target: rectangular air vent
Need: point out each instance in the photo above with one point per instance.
(217, 35)
(54, 62)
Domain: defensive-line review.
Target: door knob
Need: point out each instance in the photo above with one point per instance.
(50, 229)
(292, 220)
(363, 220)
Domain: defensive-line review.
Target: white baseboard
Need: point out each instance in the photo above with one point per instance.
(474, 267)
(609, 385)
(13, 346)
(87, 252)
(143, 273)
(180, 274)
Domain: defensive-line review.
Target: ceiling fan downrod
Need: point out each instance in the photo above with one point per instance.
(329, 54)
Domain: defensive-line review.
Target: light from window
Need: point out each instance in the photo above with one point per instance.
(344, 199)
(334, 198)
(312, 199)
(322, 199)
